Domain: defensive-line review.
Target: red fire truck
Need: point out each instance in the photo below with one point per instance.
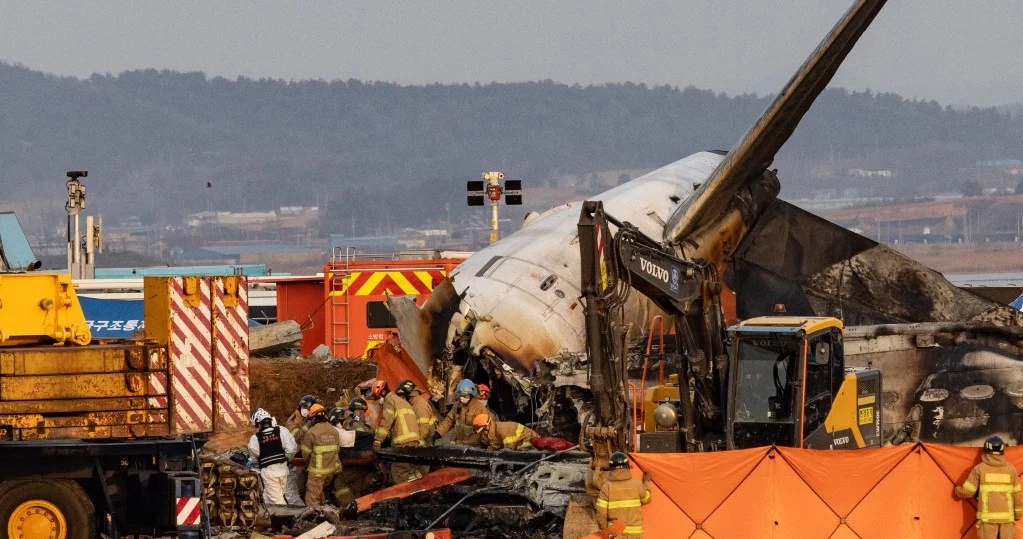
(345, 307)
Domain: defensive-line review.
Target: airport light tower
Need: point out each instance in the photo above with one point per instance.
(491, 188)
(79, 266)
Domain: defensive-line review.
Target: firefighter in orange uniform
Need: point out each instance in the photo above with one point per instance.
(426, 416)
(621, 498)
(996, 485)
(397, 421)
(320, 450)
(299, 422)
(503, 434)
(459, 418)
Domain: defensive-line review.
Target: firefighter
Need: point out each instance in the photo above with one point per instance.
(355, 419)
(426, 416)
(996, 485)
(342, 490)
(459, 418)
(319, 449)
(397, 421)
(484, 393)
(298, 422)
(502, 434)
(271, 447)
(621, 498)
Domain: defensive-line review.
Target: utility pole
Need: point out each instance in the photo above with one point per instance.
(491, 188)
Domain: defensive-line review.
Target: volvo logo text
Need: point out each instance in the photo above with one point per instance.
(653, 270)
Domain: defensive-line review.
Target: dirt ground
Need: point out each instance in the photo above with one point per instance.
(276, 385)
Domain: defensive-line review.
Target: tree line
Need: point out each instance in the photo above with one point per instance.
(160, 144)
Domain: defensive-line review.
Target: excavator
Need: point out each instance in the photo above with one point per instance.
(782, 379)
(769, 380)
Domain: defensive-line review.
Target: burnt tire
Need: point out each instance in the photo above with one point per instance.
(27, 507)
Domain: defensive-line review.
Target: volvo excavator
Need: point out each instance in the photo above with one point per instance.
(787, 380)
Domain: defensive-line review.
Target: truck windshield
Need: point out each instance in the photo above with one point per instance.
(766, 370)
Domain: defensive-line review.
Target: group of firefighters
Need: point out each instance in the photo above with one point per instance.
(406, 417)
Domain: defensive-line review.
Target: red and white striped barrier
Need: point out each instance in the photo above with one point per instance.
(188, 511)
(231, 351)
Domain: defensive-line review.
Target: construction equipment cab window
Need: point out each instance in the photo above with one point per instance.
(786, 374)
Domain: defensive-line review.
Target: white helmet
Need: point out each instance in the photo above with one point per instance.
(260, 415)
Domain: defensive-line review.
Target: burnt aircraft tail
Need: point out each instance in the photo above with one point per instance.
(424, 331)
(755, 151)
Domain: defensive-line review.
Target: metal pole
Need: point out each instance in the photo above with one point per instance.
(494, 231)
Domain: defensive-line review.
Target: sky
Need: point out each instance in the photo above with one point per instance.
(955, 52)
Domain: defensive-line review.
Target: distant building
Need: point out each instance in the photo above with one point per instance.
(287, 217)
(861, 173)
(275, 256)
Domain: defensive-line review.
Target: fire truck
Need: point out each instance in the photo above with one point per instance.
(345, 307)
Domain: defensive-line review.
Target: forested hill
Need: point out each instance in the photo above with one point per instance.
(151, 140)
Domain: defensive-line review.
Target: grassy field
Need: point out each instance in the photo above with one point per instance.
(968, 258)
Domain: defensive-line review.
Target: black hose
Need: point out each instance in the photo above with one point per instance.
(459, 502)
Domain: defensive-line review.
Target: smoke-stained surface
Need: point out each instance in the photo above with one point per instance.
(817, 267)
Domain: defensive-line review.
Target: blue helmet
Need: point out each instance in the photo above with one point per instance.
(466, 387)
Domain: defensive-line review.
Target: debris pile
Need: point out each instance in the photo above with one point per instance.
(277, 384)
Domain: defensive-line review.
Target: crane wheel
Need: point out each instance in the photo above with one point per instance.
(45, 509)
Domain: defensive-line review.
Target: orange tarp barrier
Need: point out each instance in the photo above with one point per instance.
(903, 491)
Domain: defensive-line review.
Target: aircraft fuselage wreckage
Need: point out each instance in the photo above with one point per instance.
(513, 315)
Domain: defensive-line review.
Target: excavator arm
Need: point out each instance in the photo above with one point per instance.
(615, 264)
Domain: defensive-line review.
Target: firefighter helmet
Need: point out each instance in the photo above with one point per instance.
(405, 388)
(380, 389)
(466, 387)
(480, 422)
(260, 415)
(618, 460)
(307, 401)
(317, 409)
(484, 390)
(358, 403)
(336, 414)
(994, 445)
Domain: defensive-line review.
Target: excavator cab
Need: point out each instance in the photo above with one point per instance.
(788, 386)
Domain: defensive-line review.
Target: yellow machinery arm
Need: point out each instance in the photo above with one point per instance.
(40, 308)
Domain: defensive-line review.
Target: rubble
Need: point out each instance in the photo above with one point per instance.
(279, 338)
(277, 384)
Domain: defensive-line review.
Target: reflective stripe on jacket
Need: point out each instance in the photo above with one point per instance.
(426, 417)
(621, 498)
(398, 420)
(510, 435)
(996, 483)
(319, 449)
(463, 414)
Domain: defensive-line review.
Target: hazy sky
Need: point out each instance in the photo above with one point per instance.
(959, 52)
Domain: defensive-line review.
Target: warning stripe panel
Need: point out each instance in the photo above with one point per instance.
(395, 282)
(231, 334)
(188, 511)
(191, 359)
